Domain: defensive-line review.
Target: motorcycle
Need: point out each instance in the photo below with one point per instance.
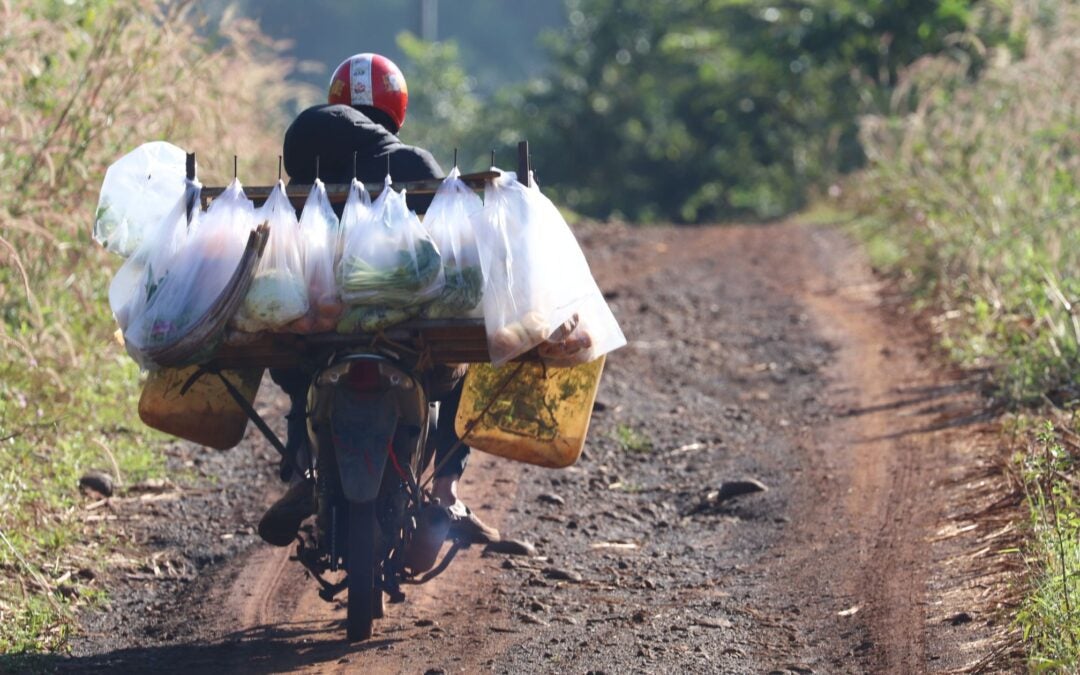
(369, 424)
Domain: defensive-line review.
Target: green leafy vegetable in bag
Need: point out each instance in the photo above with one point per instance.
(395, 286)
(373, 319)
(461, 295)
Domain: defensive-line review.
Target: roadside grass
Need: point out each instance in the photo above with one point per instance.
(1050, 616)
(58, 419)
(82, 84)
(970, 200)
(632, 440)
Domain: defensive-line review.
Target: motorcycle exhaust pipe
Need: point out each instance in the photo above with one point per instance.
(431, 529)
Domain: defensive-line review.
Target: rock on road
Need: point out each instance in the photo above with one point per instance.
(764, 353)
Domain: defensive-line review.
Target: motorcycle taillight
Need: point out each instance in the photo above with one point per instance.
(363, 376)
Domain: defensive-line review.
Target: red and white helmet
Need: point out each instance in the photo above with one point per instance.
(373, 80)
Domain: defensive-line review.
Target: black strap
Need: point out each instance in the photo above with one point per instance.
(254, 416)
(241, 401)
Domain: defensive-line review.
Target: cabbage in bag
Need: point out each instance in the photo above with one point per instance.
(319, 240)
(139, 190)
(389, 260)
(538, 288)
(278, 293)
(449, 222)
(197, 273)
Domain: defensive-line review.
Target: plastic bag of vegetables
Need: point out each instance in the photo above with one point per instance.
(197, 274)
(449, 222)
(318, 241)
(278, 293)
(140, 276)
(539, 291)
(139, 190)
(388, 260)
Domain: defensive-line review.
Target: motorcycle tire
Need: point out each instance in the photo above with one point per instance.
(361, 571)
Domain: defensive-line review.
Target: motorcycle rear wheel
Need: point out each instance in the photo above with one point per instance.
(361, 571)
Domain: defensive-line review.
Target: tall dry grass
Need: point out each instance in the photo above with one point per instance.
(81, 84)
(972, 194)
(979, 184)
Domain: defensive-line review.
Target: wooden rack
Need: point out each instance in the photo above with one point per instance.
(439, 341)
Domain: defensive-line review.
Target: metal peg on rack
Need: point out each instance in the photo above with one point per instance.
(524, 164)
(193, 195)
(279, 168)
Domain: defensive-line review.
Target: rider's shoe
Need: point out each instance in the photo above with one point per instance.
(466, 526)
(281, 521)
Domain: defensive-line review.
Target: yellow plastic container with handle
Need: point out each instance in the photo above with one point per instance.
(206, 413)
(528, 412)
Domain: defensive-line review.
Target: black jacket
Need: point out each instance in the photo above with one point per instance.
(333, 132)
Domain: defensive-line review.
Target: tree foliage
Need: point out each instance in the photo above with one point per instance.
(694, 110)
(443, 103)
(702, 109)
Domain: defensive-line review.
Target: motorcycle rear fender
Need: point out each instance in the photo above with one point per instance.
(365, 427)
(362, 430)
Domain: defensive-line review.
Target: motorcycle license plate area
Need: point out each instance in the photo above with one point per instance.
(528, 412)
(363, 427)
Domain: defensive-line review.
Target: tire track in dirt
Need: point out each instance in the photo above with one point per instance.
(755, 351)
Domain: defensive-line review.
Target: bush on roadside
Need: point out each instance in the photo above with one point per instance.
(83, 83)
(977, 185)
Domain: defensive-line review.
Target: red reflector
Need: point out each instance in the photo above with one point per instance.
(363, 376)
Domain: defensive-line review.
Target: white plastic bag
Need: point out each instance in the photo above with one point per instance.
(389, 260)
(197, 273)
(139, 190)
(141, 274)
(538, 287)
(449, 222)
(278, 293)
(356, 212)
(319, 239)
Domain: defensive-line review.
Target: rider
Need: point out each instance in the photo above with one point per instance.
(356, 131)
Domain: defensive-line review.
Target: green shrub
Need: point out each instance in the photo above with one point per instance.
(1050, 615)
(976, 182)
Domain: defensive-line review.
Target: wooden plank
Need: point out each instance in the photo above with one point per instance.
(446, 340)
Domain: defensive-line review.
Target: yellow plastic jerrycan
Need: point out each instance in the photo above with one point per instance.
(528, 412)
(205, 413)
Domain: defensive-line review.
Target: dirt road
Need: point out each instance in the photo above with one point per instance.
(764, 353)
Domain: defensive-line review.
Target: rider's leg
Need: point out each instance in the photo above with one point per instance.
(295, 383)
(282, 520)
(450, 460)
